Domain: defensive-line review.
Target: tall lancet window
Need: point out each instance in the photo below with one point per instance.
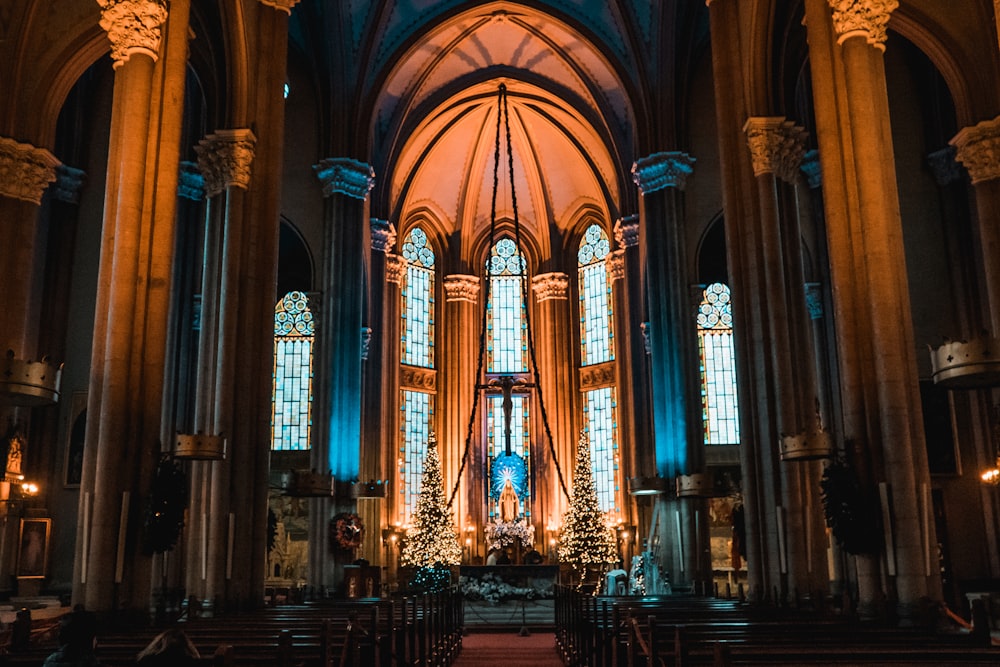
(417, 341)
(719, 404)
(507, 355)
(597, 347)
(418, 301)
(291, 404)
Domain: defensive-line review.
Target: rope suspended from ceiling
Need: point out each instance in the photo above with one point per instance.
(504, 118)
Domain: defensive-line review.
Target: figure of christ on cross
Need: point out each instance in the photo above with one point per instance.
(507, 384)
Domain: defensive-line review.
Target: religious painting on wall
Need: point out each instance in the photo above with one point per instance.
(33, 548)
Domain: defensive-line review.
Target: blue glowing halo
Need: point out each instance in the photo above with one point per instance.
(512, 467)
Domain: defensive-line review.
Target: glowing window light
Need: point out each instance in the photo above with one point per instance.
(719, 400)
(291, 389)
(596, 333)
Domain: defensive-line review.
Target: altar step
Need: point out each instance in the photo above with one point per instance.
(535, 615)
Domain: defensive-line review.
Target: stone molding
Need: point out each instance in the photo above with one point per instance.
(811, 168)
(626, 231)
(395, 268)
(383, 235)
(190, 182)
(461, 287)
(978, 148)
(550, 286)
(777, 146)
(225, 158)
(345, 176)
(280, 5)
(133, 26)
(25, 171)
(598, 375)
(69, 182)
(662, 170)
(943, 166)
(862, 18)
(616, 265)
(415, 377)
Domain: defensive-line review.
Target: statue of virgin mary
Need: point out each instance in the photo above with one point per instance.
(508, 503)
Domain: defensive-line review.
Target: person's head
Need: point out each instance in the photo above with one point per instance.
(78, 631)
(170, 647)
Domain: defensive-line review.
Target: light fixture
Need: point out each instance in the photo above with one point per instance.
(967, 364)
(647, 486)
(200, 447)
(373, 488)
(695, 485)
(28, 383)
(307, 484)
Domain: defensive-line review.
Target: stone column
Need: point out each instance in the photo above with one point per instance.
(883, 426)
(558, 384)
(457, 391)
(678, 445)
(127, 366)
(345, 184)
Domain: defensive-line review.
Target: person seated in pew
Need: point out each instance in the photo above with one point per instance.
(170, 648)
(77, 638)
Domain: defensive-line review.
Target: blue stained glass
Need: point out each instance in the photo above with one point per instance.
(416, 411)
(719, 400)
(506, 329)
(418, 301)
(596, 332)
(600, 408)
(497, 446)
(291, 389)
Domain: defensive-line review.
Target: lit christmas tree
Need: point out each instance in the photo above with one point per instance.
(431, 541)
(586, 538)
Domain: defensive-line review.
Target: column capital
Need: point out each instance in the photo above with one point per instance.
(978, 148)
(777, 146)
(662, 170)
(550, 286)
(280, 5)
(133, 26)
(943, 166)
(862, 18)
(224, 158)
(626, 231)
(383, 235)
(25, 171)
(461, 287)
(616, 265)
(346, 176)
(190, 182)
(811, 168)
(69, 182)
(395, 268)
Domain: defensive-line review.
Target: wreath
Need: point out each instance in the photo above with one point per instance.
(851, 513)
(346, 532)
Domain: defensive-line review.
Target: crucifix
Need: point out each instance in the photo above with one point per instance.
(507, 384)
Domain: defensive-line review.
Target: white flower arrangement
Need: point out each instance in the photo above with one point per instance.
(501, 534)
(493, 589)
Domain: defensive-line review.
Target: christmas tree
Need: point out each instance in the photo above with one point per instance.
(431, 541)
(586, 538)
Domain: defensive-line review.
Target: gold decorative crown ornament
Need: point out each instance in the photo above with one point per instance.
(647, 486)
(806, 446)
(307, 483)
(28, 383)
(695, 485)
(199, 446)
(967, 364)
(374, 488)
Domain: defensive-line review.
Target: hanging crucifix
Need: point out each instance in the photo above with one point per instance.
(507, 385)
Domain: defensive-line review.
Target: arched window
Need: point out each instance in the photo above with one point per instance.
(291, 404)
(719, 404)
(416, 410)
(418, 301)
(597, 347)
(506, 328)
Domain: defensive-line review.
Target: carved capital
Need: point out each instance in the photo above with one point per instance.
(599, 375)
(25, 171)
(461, 287)
(345, 176)
(626, 231)
(550, 286)
(662, 170)
(415, 377)
(811, 168)
(978, 148)
(943, 166)
(133, 26)
(69, 182)
(383, 235)
(862, 18)
(280, 5)
(616, 265)
(776, 146)
(190, 182)
(224, 158)
(395, 268)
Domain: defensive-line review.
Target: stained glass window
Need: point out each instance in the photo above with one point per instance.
(596, 333)
(719, 404)
(418, 301)
(600, 410)
(519, 447)
(291, 389)
(416, 408)
(506, 329)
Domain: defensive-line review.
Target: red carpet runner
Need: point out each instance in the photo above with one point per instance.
(508, 650)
